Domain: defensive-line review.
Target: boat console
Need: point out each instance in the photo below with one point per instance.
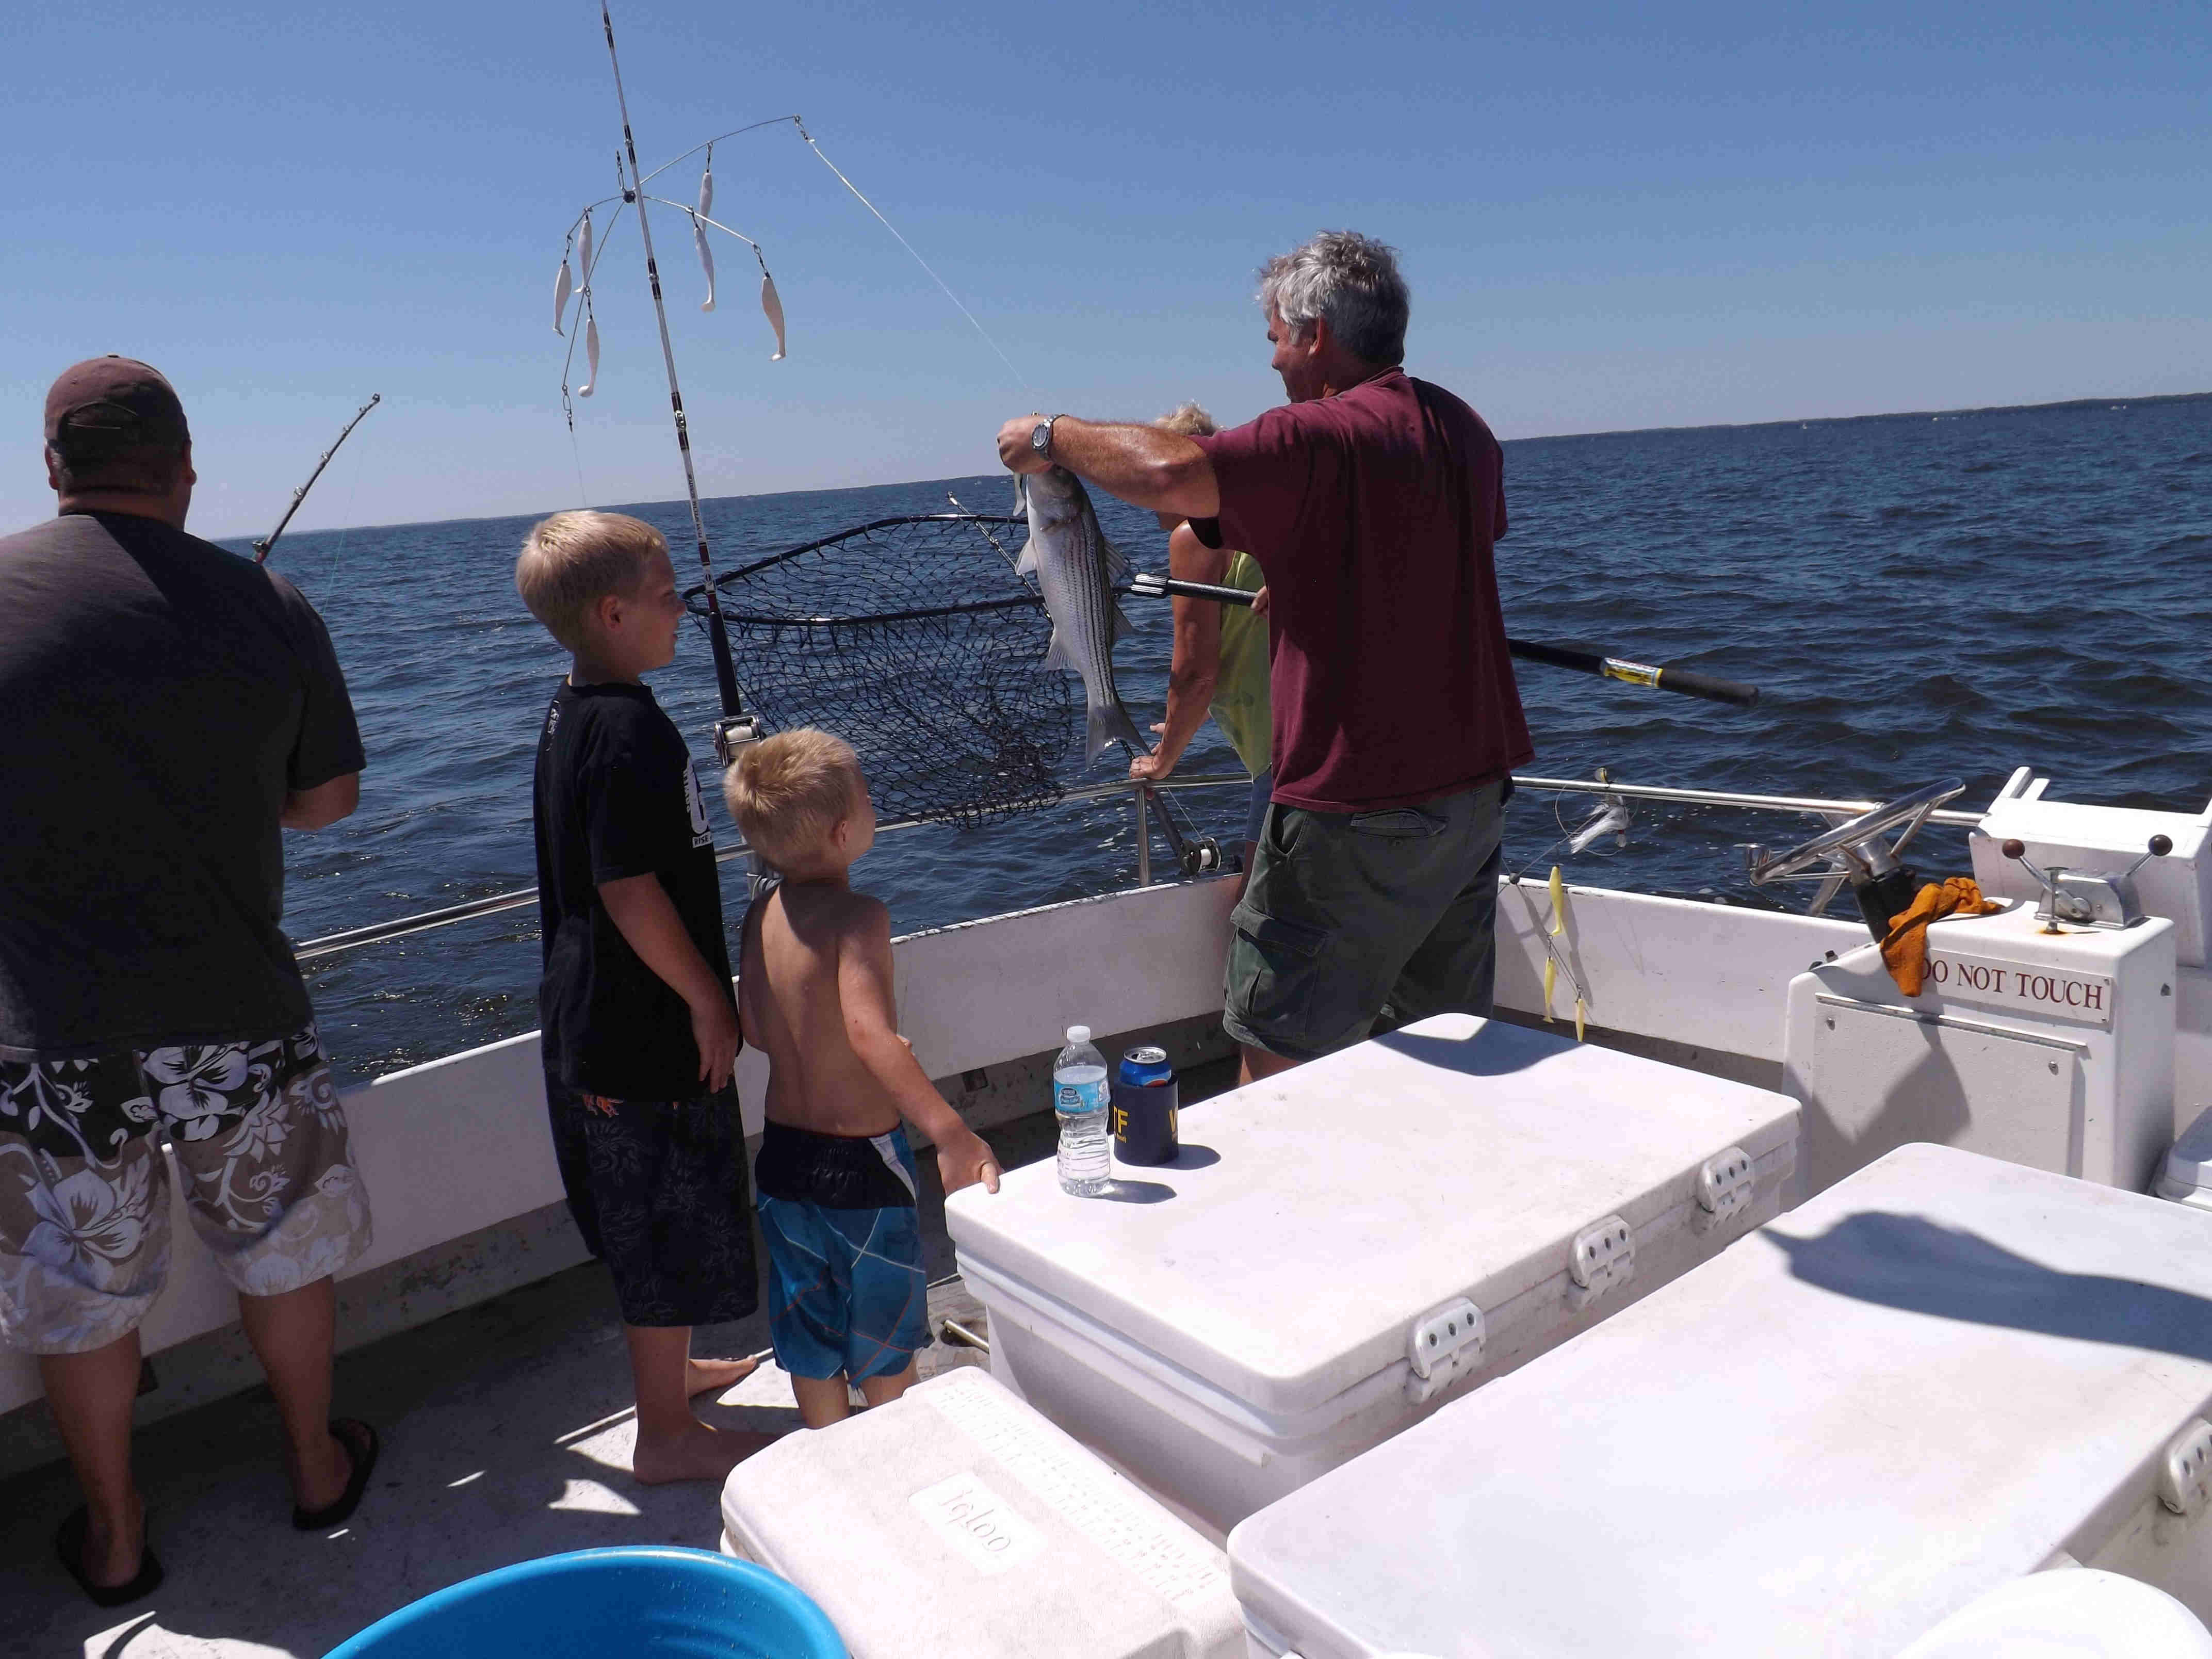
(2045, 1035)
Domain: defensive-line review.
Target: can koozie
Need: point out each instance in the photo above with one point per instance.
(1143, 1113)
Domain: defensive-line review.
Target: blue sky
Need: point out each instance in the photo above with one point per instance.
(1612, 217)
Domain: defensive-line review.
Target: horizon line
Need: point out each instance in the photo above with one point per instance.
(1534, 438)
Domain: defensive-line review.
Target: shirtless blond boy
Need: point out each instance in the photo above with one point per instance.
(836, 1178)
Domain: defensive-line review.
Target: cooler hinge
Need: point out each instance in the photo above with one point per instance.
(1725, 1183)
(1604, 1256)
(2184, 1484)
(1441, 1346)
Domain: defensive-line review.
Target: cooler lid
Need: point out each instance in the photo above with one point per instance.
(1924, 1382)
(1312, 1218)
(956, 1520)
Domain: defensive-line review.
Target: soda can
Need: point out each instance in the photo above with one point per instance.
(1146, 1065)
(1145, 1100)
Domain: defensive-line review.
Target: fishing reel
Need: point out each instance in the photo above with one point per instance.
(1853, 850)
(734, 734)
(1201, 856)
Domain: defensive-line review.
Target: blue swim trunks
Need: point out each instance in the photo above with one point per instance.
(845, 1285)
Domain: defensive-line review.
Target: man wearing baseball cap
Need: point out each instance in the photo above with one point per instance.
(168, 707)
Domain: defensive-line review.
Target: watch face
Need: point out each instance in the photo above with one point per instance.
(1040, 438)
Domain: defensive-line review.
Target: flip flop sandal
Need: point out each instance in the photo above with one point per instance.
(68, 1544)
(361, 1449)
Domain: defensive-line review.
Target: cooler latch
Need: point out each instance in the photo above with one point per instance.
(2184, 1484)
(1725, 1183)
(1604, 1256)
(1441, 1346)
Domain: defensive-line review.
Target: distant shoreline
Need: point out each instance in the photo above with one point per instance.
(1894, 415)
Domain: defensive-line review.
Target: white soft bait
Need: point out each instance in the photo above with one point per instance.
(584, 248)
(774, 307)
(707, 188)
(591, 355)
(706, 255)
(561, 290)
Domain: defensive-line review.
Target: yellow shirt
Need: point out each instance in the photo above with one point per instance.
(1241, 707)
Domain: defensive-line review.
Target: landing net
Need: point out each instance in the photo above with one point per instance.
(913, 639)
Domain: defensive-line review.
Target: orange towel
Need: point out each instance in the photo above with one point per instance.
(1905, 950)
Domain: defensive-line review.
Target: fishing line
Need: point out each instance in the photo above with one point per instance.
(918, 259)
(576, 449)
(353, 499)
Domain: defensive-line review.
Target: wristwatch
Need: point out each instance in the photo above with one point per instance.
(1040, 438)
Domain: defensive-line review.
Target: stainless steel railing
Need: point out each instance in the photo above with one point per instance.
(423, 921)
(493, 904)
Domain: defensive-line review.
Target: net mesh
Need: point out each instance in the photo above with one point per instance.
(913, 639)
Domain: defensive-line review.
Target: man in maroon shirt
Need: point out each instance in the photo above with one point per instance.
(1371, 501)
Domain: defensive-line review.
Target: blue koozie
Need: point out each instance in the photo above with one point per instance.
(1145, 1100)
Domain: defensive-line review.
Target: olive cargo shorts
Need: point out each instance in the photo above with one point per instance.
(1354, 921)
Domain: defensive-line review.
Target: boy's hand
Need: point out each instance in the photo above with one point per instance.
(964, 1159)
(714, 1028)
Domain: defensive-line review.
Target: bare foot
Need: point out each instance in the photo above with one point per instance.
(695, 1452)
(713, 1376)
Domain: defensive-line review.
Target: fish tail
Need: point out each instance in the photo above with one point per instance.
(1106, 723)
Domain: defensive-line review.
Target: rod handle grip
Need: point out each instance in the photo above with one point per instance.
(1711, 686)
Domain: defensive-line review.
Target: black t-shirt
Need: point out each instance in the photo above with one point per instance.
(158, 698)
(616, 796)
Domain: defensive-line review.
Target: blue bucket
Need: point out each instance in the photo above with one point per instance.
(654, 1600)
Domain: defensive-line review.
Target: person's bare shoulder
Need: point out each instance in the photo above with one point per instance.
(860, 916)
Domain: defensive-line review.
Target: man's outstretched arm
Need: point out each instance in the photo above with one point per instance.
(1142, 464)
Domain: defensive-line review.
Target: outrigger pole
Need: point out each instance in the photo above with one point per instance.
(735, 726)
(261, 547)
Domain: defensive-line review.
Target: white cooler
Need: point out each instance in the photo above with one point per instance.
(1340, 1248)
(957, 1521)
(1944, 1374)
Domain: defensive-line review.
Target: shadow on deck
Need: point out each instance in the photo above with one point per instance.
(506, 1432)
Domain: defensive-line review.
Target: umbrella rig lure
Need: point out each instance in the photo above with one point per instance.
(585, 246)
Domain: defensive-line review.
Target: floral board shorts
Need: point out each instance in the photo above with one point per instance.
(259, 1144)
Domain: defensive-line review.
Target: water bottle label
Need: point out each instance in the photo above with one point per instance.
(1074, 1097)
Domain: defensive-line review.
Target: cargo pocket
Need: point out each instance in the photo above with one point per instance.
(1277, 982)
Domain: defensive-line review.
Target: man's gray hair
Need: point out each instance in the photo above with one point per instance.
(1351, 280)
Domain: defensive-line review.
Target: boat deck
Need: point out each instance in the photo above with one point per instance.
(506, 1430)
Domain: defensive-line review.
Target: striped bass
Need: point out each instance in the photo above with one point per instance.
(1074, 565)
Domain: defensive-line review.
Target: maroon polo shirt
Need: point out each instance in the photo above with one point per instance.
(1373, 513)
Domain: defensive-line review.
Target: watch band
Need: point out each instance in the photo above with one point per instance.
(1044, 426)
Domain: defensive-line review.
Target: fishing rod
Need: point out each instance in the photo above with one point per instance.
(261, 547)
(1659, 676)
(734, 728)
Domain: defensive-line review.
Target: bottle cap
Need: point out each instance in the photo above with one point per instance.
(1079, 1034)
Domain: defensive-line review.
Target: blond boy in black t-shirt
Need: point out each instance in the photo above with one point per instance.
(641, 1030)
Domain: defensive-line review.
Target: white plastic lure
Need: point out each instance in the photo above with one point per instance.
(706, 253)
(561, 291)
(706, 188)
(773, 308)
(584, 248)
(591, 355)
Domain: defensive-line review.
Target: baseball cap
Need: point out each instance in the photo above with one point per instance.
(111, 403)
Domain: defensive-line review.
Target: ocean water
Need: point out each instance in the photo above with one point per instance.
(1916, 596)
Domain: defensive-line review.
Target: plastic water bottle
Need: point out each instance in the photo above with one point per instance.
(1079, 1096)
